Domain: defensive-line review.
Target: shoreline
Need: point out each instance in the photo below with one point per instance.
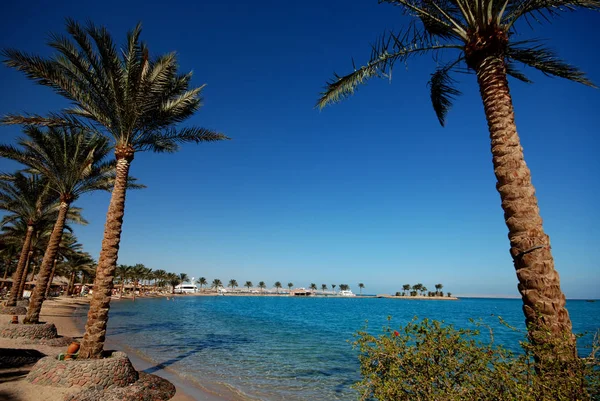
(69, 316)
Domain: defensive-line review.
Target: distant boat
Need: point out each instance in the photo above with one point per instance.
(186, 288)
(346, 293)
(590, 300)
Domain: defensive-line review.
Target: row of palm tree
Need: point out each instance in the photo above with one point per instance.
(217, 283)
(420, 289)
(124, 101)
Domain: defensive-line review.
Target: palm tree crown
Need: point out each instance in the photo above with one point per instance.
(132, 98)
(471, 30)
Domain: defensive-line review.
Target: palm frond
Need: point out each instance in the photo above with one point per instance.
(543, 10)
(439, 17)
(515, 73)
(442, 90)
(169, 140)
(546, 61)
(391, 48)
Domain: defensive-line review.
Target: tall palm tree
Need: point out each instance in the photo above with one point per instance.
(360, 287)
(438, 289)
(333, 288)
(248, 285)
(262, 286)
(202, 281)
(323, 287)
(72, 161)
(481, 37)
(31, 210)
(277, 286)
(290, 285)
(135, 101)
(233, 283)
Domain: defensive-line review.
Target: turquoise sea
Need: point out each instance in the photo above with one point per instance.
(281, 348)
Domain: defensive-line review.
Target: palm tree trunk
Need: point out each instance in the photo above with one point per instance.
(71, 284)
(24, 275)
(14, 291)
(95, 328)
(546, 316)
(51, 278)
(39, 292)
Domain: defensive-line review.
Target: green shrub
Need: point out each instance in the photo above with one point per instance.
(430, 361)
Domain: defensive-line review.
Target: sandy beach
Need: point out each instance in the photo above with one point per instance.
(68, 314)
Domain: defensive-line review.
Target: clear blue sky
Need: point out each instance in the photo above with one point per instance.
(371, 190)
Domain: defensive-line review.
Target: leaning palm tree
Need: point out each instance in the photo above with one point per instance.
(134, 100)
(480, 36)
(73, 162)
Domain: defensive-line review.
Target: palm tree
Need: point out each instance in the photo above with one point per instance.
(313, 286)
(423, 290)
(277, 286)
(323, 287)
(405, 287)
(290, 285)
(438, 289)
(248, 285)
(31, 211)
(233, 283)
(135, 101)
(72, 161)
(344, 287)
(202, 281)
(68, 247)
(333, 288)
(137, 273)
(123, 273)
(173, 280)
(262, 286)
(481, 36)
(361, 286)
(183, 277)
(216, 284)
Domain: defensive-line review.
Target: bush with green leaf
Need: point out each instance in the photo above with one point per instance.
(428, 360)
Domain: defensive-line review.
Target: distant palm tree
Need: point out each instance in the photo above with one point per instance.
(183, 277)
(233, 283)
(449, 294)
(123, 273)
(361, 286)
(290, 285)
(136, 101)
(313, 286)
(248, 285)
(423, 290)
(277, 286)
(216, 284)
(323, 287)
(480, 36)
(405, 287)
(202, 281)
(438, 289)
(262, 286)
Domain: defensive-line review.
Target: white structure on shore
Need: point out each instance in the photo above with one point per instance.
(186, 288)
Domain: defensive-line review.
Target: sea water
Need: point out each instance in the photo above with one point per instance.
(286, 348)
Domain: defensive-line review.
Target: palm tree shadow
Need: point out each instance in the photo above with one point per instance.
(211, 342)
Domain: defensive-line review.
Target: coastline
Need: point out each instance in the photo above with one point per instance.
(69, 316)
